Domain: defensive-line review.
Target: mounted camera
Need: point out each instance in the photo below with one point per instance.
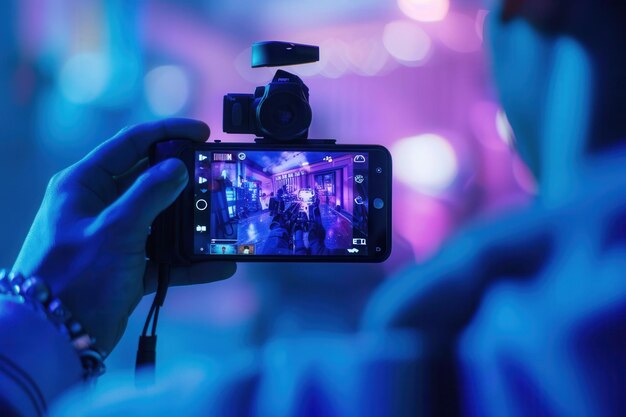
(284, 198)
(279, 111)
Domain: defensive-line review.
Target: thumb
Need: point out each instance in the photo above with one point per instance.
(151, 193)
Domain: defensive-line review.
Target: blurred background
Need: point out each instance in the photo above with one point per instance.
(412, 75)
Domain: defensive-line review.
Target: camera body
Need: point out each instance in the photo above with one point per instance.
(283, 198)
(313, 202)
(279, 111)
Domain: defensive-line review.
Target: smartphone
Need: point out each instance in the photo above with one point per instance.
(317, 202)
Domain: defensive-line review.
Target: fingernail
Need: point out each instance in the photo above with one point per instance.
(173, 167)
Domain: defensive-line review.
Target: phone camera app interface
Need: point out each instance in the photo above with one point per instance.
(258, 202)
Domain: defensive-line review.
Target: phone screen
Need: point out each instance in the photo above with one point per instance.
(281, 203)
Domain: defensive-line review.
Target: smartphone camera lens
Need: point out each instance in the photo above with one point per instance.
(379, 170)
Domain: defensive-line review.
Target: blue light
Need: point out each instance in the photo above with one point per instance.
(84, 77)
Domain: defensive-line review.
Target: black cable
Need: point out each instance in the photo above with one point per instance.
(163, 284)
(146, 351)
(148, 319)
(155, 321)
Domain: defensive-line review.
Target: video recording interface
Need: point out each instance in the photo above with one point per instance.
(263, 202)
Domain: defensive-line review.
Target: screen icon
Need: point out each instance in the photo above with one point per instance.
(328, 158)
(353, 250)
(201, 180)
(222, 157)
(359, 159)
(202, 204)
(359, 200)
(202, 157)
(359, 241)
(241, 156)
(359, 179)
(200, 228)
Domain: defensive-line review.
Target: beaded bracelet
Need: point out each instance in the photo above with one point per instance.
(35, 292)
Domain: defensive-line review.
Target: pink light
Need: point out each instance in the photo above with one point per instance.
(504, 128)
(524, 177)
(425, 10)
(458, 32)
(427, 162)
(484, 123)
(407, 42)
(333, 58)
(367, 56)
(427, 221)
(481, 18)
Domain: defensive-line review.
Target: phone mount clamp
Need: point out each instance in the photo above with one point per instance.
(278, 112)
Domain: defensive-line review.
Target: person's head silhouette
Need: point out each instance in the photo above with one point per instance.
(558, 66)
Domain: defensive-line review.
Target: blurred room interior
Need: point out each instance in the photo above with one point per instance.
(407, 74)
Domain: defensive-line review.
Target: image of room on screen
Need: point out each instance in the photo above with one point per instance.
(285, 203)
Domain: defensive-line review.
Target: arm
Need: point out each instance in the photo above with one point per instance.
(37, 362)
(88, 240)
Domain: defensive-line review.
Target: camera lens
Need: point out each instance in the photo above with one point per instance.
(284, 115)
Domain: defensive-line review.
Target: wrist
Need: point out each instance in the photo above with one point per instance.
(38, 363)
(34, 293)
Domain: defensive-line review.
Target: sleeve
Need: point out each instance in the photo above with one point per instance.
(37, 362)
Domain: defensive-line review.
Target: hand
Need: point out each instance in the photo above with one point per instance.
(88, 238)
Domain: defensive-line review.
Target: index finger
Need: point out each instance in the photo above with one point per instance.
(120, 153)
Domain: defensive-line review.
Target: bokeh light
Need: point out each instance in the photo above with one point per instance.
(426, 162)
(167, 90)
(84, 77)
(425, 10)
(484, 120)
(367, 56)
(334, 58)
(505, 131)
(458, 32)
(407, 42)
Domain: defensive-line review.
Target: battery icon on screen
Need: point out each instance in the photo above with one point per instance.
(359, 241)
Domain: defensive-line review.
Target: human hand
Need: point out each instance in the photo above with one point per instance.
(88, 239)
